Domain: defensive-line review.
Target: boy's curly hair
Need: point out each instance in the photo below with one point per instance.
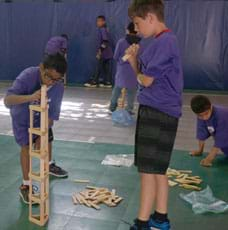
(141, 8)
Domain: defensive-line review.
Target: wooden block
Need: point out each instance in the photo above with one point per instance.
(74, 199)
(118, 200)
(78, 198)
(92, 188)
(191, 187)
(172, 183)
(96, 193)
(81, 181)
(126, 57)
(94, 205)
(185, 171)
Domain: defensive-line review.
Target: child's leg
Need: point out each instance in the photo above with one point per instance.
(147, 196)
(25, 162)
(161, 193)
(107, 71)
(115, 96)
(98, 71)
(130, 99)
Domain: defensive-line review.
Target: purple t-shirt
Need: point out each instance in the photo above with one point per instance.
(216, 126)
(26, 84)
(125, 76)
(55, 45)
(161, 60)
(103, 36)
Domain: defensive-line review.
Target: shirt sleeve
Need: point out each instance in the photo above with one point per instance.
(161, 59)
(55, 96)
(18, 88)
(221, 134)
(202, 131)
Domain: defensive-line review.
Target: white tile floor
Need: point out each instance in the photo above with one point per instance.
(85, 118)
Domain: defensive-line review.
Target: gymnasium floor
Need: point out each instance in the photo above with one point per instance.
(83, 136)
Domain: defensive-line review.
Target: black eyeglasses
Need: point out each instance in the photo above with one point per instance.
(48, 77)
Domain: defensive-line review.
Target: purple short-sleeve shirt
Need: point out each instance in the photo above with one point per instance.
(216, 126)
(161, 60)
(26, 84)
(103, 35)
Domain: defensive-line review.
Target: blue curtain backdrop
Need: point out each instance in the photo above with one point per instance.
(201, 27)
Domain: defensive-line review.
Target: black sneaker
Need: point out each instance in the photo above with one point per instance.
(108, 85)
(91, 84)
(56, 171)
(24, 192)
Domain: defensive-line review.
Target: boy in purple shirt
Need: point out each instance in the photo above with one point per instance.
(104, 57)
(26, 90)
(159, 73)
(125, 76)
(212, 120)
(57, 44)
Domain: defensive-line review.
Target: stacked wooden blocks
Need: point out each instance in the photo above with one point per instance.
(41, 177)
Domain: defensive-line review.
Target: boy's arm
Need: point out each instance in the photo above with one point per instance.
(207, 162)
(143, 80)
(20, 99)
(198, 152)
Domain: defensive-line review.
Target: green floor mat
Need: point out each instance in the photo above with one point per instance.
(83, 161)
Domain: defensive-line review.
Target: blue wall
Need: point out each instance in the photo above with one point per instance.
(201, 27)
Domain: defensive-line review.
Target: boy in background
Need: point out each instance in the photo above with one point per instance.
(125, 76)
(212, 120)
(104, 55)
(57, 44)
(26, 90)
(159, 72)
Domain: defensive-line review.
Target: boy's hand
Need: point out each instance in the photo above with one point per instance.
(206, 162)
(196, 153)
(132, 51)
(98, 56)
(36, 96)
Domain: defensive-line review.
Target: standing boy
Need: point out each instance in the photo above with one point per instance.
(125, 75)
(212, 120)
(104, 55)
(159, 73)
(26, 90)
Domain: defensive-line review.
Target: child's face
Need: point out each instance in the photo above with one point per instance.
(205, 115)
(100, 22)
(50, 77)
(145, 26)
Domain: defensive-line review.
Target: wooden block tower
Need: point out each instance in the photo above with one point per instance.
(40, 217)
(121, 101)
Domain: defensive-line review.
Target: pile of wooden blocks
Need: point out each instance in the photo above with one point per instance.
(92, 197)
(184, 179)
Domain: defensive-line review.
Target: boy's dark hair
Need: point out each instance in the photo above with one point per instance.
(200, 104)
(131, 28)
(141, 8)
(65, 36)
(101, 17)
(56, 62)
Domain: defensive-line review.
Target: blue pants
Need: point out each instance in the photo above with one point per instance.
(116, 92)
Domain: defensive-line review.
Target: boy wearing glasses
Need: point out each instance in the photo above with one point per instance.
(25, 91)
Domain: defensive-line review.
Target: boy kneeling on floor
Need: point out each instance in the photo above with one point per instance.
(212, 120)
